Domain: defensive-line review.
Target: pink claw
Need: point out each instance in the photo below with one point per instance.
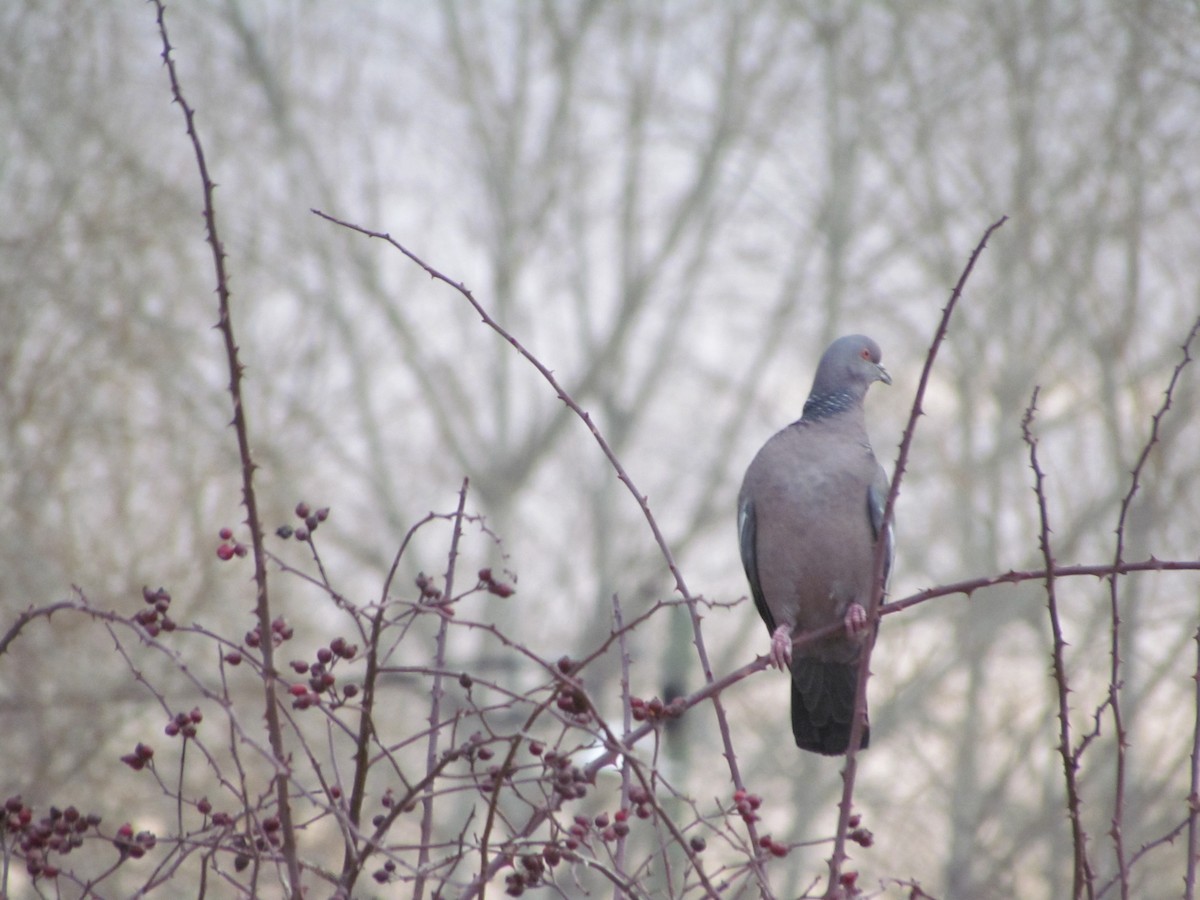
(781, 647)
(856, 620)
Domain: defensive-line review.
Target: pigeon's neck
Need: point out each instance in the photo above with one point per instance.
(822, 406)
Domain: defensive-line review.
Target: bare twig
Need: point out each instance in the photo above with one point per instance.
(249, 499)
(837, 858)
(435, 704)
(1114, 681)
(1083, 879)
(28, 616)
(622, 475)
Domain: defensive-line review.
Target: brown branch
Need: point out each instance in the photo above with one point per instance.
(1114, 682)
(249, 499)
(1083, 879)
(622, 475)
(351, 862)
(435, 704)
(28, 616)
(838, 857)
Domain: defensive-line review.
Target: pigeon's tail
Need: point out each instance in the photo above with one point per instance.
(823, 705)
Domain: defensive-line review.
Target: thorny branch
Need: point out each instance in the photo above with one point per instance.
(837, 858)
(249, 498)
(622, 475)
(1115, 680)
(1083, 879)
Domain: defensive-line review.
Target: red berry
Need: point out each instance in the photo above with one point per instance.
(225, 552)
(225, 534)
(302, 510)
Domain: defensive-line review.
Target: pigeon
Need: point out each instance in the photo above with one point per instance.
(810, 513)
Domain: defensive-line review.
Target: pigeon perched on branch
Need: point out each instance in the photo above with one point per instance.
(809, 517)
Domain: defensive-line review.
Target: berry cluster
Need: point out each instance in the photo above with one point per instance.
(139, 758)
(270, 837)
(566, 780)
(573, 701)
(229, 548)
(184, 723)
(429, 591)
(746, 805)
(532, 869)
(154, 617)
(59, 831)
(312, 520)
(655, 710)
(772, 846)
(640, 798)
(321, 679)
(861, 836)
(384, 875)
(219, 819)
(499, 588)
(601, 826)
(280, 631)
(133, 846)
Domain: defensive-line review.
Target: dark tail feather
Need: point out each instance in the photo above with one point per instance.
(823, 705)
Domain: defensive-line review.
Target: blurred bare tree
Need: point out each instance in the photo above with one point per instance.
(675, 207)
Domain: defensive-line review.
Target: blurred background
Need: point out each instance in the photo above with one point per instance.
(675, 206)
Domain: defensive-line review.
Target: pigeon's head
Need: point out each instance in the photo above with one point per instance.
(847, 369)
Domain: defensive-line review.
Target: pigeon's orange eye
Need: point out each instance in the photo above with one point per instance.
(865, 353)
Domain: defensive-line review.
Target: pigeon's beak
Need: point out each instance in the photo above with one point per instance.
(883, 374)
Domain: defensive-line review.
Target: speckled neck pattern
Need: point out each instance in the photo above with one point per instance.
(828, 405)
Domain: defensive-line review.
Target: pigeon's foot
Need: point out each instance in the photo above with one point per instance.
(781, 647)
(856, 620)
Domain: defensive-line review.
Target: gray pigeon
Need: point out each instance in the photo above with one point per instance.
(809, 515)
